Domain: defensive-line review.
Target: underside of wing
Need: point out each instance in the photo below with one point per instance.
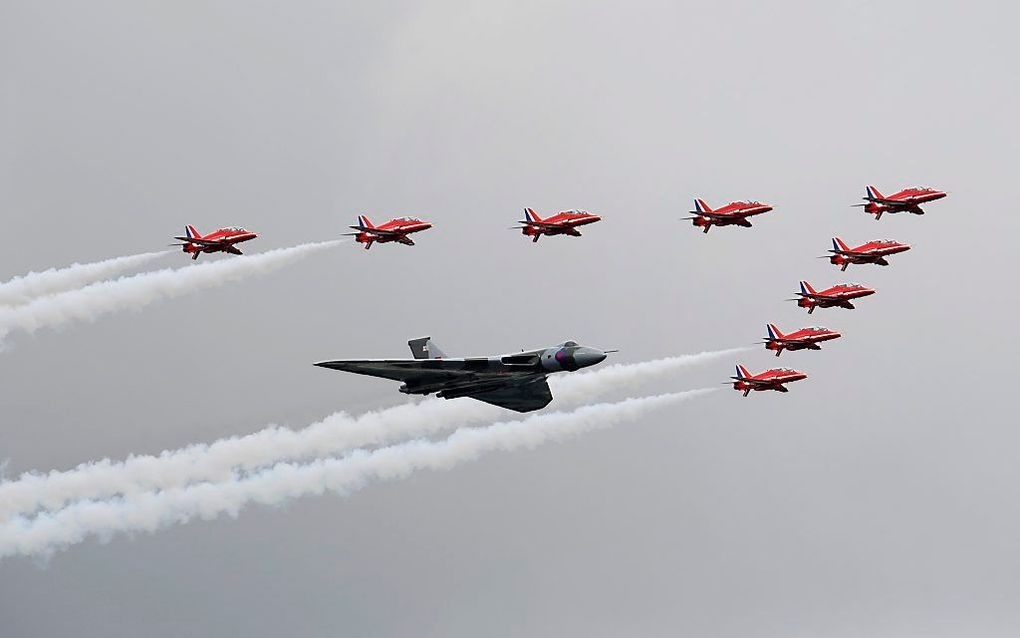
(520, 397)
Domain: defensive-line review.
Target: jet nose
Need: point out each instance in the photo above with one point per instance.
(585, 357)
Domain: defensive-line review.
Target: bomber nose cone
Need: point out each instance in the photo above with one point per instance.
(585, 357)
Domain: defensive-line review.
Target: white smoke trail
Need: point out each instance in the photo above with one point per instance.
(627, 375)
(137, 291)
(151, 511)
(24, 288)
(335, 434)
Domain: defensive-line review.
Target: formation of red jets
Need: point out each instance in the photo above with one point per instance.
(839, 295)
(703, 216)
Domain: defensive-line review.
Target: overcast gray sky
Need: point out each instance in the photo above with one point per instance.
(877, 498)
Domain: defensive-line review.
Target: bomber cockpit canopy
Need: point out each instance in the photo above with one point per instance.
(568, 344)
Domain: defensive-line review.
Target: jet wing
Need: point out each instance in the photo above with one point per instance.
(890, 202)
(200, 242)
(819, 297)
(520, 397)
(761, 383)
(410, 371)
(541, 224)
(713, 215)
(378, 231)
(757, 382)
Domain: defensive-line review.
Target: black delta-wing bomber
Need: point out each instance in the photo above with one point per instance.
(514, 381)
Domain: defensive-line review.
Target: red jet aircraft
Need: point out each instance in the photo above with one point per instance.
(218, 241)
(564, 223)
(908, 199)
(803, 339)
(838, 295)
(872, 252)
(394, 230)
(768, 380)
(730, 214)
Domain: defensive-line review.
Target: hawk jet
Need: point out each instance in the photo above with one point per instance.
(514, 381)
(396, 230)
(839, 295)
(218, 241)
(872, 252)
(773, 379)
(907, 200)
(733, 213)
(563, 223)
(803, 339)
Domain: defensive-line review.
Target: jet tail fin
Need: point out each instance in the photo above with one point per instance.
(701, 207)
(424, 348)
(774, 332)
(873, 192)
(838, 245)
(363, 222)
(806, 289)
(191, 233)
(531, 216)
(742, 372)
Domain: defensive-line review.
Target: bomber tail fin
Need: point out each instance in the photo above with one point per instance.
(424, 348)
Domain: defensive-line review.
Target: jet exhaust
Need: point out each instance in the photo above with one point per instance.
(137, 291)
(153, 510)
(24, 288)
(336, 434)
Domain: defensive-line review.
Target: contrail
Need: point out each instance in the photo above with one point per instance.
(333, 435)
(151, 511)
(24, 288)
(137, 291)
